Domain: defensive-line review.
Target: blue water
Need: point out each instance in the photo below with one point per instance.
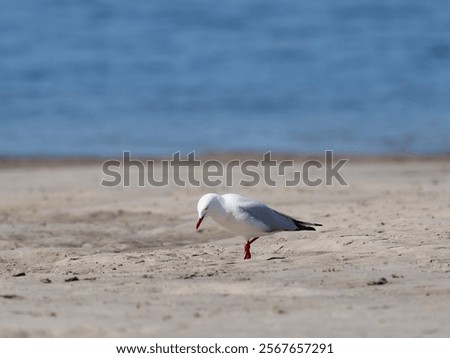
(91, 77)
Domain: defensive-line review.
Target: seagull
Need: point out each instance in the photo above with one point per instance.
(247, 217)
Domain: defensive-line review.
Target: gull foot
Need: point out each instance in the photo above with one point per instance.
(248, 255)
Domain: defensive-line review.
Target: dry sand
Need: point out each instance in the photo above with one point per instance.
(78, 259)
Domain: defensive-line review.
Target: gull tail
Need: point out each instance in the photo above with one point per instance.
(303, 225)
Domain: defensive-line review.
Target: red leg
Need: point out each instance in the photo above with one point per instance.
(253, 240)
(248, 255)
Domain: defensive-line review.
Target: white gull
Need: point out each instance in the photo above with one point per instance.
(247, 217)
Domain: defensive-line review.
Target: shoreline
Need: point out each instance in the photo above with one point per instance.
(45, 161)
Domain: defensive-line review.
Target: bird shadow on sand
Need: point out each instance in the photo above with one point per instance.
(276, 258)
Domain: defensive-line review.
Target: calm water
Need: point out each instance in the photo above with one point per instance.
(98, 77)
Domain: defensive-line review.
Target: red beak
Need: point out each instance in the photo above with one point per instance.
(198, 223)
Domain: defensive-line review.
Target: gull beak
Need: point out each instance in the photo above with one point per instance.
(199, 222)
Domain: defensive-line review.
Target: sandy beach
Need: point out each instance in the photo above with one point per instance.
(81, 260)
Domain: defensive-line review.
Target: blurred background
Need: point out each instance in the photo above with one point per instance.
(95, 78)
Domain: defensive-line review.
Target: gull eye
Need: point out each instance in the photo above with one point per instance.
(206, 208)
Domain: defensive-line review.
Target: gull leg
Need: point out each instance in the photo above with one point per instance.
(248, 255)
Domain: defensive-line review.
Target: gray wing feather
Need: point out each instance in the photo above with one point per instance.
(272, 220)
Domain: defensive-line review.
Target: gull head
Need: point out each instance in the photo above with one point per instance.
(207, 204)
